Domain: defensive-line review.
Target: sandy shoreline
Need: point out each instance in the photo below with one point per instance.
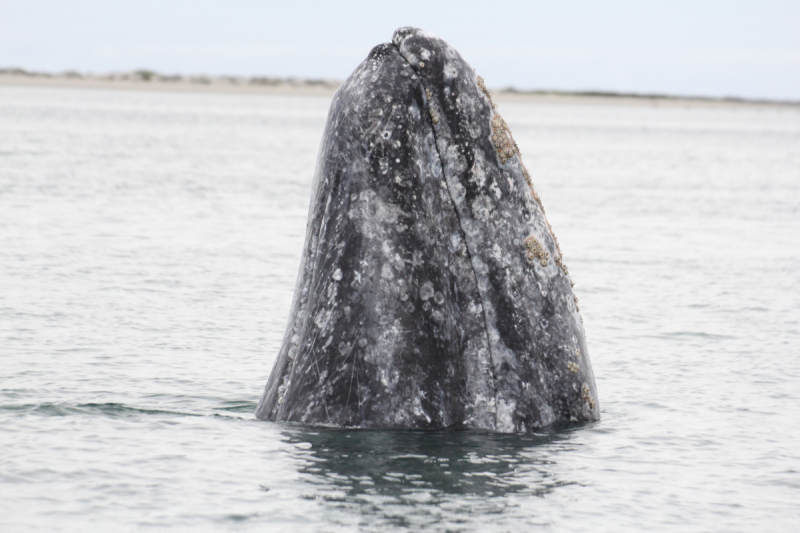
(273, 86)
(205, 85)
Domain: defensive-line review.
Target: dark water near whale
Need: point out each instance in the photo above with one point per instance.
(149, 244)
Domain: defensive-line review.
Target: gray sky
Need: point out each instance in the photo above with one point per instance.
(700, 47)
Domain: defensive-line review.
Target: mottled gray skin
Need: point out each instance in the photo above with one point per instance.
(417, 304)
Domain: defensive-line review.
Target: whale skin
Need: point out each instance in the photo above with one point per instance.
(432, 291)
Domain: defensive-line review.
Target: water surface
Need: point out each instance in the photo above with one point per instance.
(149, 244)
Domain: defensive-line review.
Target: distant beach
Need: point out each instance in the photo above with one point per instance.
(148, 80)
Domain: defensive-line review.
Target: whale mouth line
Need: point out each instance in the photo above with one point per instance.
(432, 123)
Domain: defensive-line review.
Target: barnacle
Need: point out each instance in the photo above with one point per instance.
(504, 143)
(502, 139)
(560, 263)
(485, 91)
(527, 177)
(506, 149)
(535, 249)
(586, 395)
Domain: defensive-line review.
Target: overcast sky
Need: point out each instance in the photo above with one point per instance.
(699, 47)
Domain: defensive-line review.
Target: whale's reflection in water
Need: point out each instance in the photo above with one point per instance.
(437, 479)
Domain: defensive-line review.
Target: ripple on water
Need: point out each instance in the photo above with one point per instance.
(148, 254)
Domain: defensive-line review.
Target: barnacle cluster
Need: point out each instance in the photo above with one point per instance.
(572, 367)
(560, 260)
(528, 179)
(502, 139)
(563, 266)
(506, 149)
(536, 197)
(586, 395)
(434, 117)
(535, 249)
(485, 91)
(428, 94)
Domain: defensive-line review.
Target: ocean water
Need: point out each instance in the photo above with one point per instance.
(149, 244)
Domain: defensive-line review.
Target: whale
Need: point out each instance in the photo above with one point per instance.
(432, 292)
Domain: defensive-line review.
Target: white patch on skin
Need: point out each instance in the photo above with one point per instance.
(477, 175)
(426, 34)
(474, 308)
(399, 264)
(450, 71)
(482, 208)
(455, 242)
(426, 291)
(458, 191)
(386, 271)
(420, 164)
(424, 54)
(505, 416)
(337, 274)
(384, 213)
(386, 380)
(322, 319)
(496, 190)
(454, 161)
(416, 259)
(497, 253)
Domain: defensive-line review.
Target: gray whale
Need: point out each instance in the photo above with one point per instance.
(432, 292)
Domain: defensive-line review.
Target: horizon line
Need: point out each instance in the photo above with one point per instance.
(143, 75)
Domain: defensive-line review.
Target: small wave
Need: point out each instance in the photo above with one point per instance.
(238, 407)
(105, 409)
(695, 334)
(120, 410)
